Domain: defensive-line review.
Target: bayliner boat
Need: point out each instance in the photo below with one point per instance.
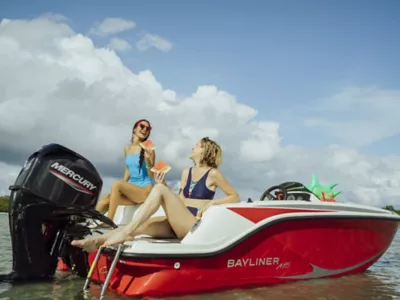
(292, 234)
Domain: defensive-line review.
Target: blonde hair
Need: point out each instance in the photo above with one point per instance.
(212, 155)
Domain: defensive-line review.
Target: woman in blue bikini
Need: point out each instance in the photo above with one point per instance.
(137, 182)
(198, 186)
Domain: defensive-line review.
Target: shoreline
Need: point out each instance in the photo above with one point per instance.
(4, 200)
(4, 204)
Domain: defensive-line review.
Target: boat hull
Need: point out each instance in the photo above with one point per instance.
(287, 250)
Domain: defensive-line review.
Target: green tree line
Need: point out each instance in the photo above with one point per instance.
(391, 208)
(5, 199)
(4, 203)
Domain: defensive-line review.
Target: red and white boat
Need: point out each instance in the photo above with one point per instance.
(249, 245)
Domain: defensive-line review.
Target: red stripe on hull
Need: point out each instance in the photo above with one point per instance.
(258, 214)
(284, 249)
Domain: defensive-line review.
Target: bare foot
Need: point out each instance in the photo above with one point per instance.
(88, 245)
(117, 238)
(101, 226)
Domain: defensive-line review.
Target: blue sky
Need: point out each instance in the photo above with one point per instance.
(272, 55)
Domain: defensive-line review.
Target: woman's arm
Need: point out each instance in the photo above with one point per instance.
(126, 173)
(220, 181)
(150, 158)
(160, 178)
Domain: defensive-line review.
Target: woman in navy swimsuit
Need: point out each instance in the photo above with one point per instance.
(198, 186)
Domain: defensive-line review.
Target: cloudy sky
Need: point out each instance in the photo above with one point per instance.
(288, 88)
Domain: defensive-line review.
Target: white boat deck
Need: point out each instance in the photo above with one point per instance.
(221, 228)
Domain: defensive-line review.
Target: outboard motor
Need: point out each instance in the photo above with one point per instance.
(53, 196)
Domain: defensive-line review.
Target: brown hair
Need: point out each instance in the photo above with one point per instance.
(141, 157)
(212, 155)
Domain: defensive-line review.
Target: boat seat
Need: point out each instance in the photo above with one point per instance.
(125, 213)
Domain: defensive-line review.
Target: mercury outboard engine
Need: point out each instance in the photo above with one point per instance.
(51, 201)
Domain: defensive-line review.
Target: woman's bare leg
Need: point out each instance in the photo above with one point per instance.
(179, 217)
(101, 205)
(157, 227)
(105, 201)
(133, 194)
(115, 202)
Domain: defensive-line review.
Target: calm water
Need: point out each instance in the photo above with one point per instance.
(382, 281)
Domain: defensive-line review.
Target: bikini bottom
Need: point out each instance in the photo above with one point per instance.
(192, 209)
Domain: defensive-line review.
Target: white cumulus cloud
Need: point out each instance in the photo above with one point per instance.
(119, 44)
(57, 86)
(153, 41)
(358, 116)
(112, 26)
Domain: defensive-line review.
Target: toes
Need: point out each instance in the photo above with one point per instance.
(75, 243)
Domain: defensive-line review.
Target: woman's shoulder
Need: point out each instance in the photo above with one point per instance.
(215, 173)
(126, 149)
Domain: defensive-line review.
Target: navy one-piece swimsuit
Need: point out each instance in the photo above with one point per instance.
(197, 190)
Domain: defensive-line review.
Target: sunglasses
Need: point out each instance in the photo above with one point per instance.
(144, 126)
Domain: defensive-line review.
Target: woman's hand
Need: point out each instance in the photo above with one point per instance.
(148, 153)
(205, 207)
(149, 157)
(159, 177)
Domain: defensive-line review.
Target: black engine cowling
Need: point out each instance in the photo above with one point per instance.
(53, 196)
